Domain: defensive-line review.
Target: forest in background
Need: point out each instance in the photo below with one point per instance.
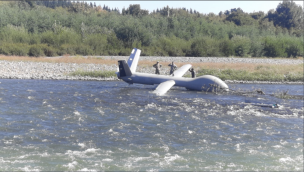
(51, 28)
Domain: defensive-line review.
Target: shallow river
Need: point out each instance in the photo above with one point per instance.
(56, 125)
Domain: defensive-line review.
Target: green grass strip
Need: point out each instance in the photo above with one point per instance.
(226, 74)
(242, 75)
(96, 74)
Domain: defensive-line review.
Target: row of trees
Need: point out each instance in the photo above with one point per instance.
(36, 29)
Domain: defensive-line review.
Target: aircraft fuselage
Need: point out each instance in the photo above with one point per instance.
(203, 83)
(127, 72)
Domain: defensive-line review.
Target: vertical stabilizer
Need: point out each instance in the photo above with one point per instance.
(124, 69)
(133, 59)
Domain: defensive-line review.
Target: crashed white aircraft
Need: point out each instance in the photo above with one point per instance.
(127, 72)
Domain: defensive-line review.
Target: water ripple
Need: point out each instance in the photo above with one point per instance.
(103, 126)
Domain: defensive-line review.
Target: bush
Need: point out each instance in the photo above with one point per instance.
(241, 45)
(68, 36)
(292, 50)
(14, 34)
(36, 50)
(256, 49)
(65, 36)
(4, 50)
(14, 49)
(67, 49)
(173, 46)
(49, 51)
(113, 42)
(129, 33)
(293, 47)
(48, 38)
(19, 49)
(205, 47)
(124, 52)
(84, 50)
(226, 47)
(34, 39)
(97, 43)
(273, 47)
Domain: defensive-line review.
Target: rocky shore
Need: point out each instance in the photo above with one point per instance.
(44, 70)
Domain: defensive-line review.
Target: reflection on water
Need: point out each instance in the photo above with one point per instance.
(91, 125)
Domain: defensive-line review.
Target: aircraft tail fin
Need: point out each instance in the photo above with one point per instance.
(133, 59)
(124, 69)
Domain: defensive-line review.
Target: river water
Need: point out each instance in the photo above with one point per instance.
(56, 125)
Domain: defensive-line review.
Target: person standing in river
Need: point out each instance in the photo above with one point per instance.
(157, 66)
(173, 67)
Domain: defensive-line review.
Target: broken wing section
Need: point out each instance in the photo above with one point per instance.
(182, 70)
(133, 59)
(162, 88)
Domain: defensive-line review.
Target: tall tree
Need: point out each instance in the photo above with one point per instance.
(240, 18)
(288, 14)
(135, 10)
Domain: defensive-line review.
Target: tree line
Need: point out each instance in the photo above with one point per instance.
(50, 28)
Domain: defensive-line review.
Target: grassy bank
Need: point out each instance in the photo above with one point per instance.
(225, 71)
(97, 74)
(246, 71)
(256, 72)
(253, 72)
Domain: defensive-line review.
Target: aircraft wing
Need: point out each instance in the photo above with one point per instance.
(182, 70)
(162, 88)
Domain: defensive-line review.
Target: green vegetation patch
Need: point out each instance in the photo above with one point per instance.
(51, 28)
(96, 74)
(259, 75)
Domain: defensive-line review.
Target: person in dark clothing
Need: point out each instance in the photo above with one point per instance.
(157, 66)
(192, 72)
(173, 67)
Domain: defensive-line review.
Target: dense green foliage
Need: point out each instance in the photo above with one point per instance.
(50, 28)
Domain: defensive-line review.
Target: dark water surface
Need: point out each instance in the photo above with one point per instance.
(55, 125)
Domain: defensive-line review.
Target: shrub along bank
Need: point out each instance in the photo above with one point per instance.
(27, 29)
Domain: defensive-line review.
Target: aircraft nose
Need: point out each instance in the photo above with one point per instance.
(222, 85)
(212, 83)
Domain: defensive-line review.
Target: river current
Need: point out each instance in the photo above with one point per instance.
(57, 125)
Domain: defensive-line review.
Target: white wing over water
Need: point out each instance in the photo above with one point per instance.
(182, 70)
(133, 59)
(162, 88)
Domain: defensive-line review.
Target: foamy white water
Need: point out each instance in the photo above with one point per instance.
(48, 125)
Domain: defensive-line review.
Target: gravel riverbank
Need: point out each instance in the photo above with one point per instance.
(213, 59)
(44, 70)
